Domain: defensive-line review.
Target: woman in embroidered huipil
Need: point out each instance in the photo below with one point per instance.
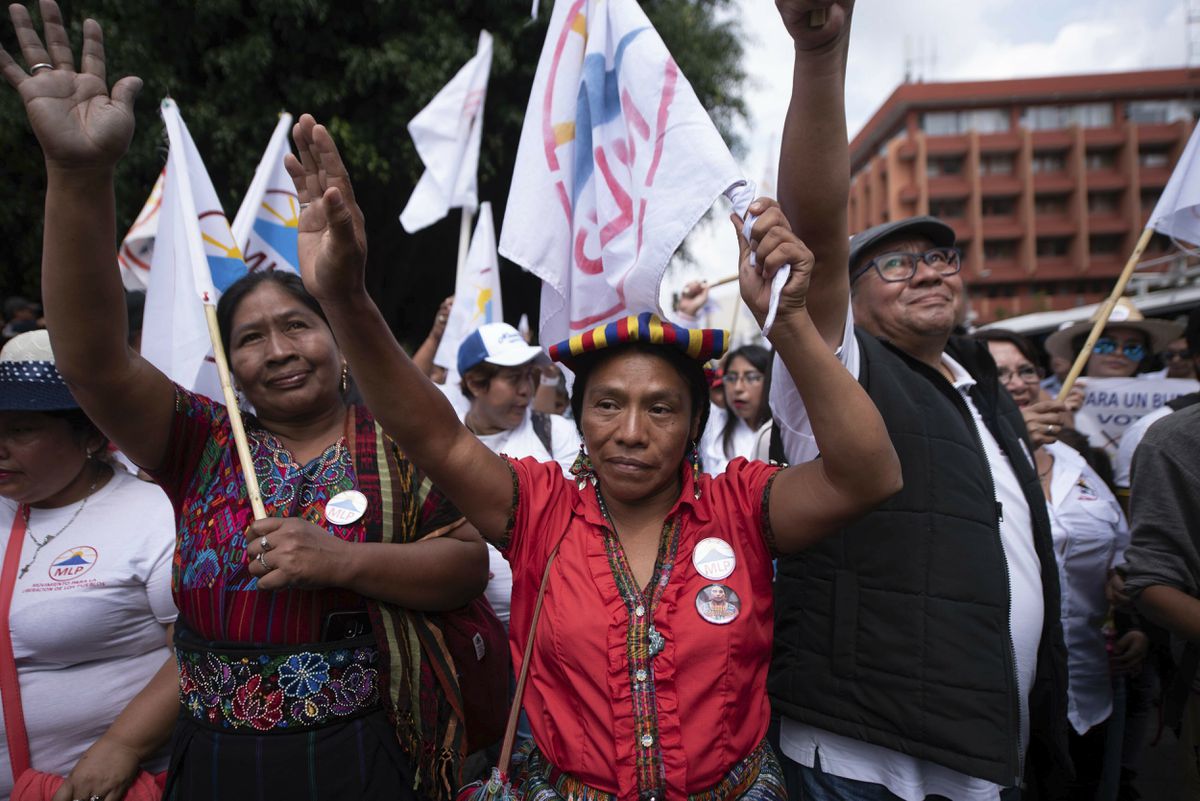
(305, 665)
(632, 694)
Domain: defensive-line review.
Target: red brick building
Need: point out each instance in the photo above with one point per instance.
(1048, 182)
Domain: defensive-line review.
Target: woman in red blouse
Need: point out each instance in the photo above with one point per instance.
(636, 690)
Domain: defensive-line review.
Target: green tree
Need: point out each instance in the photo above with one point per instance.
(363, 69)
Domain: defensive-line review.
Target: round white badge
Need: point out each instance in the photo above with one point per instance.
(713, 558)
(345, 507)
(718, 604)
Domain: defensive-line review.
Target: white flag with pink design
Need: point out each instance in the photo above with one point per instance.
(617, 162)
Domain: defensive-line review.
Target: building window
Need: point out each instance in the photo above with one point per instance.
(936, 166)
(1050, 205)
(1104, 202)
(1000, 249)
(1049, 161)
(1149, 199)
(995, 164)
(950, 123)
(948, 209)
(1151, 157)
(999, 206)
(1051, 118)
(1053, 245)
(1105, 159)
(1158, 112)
(1104, 244)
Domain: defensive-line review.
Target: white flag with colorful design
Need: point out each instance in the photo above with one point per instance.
(267, 225)
(195, 259)
(137, 249)
(617, 162)
(476, 293)
(447, 134)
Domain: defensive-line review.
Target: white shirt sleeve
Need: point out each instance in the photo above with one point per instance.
(564, 439)
(787, 407)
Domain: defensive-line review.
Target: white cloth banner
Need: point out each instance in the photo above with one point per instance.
(476, 293)
(195, 257)
(447, 133)
(1111, 405)
(617, 163)
(267, 225)
(1177, 213)
(137, 249)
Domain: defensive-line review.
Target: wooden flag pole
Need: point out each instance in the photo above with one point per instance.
(729, 279)
(235, 414)
(1105, 311)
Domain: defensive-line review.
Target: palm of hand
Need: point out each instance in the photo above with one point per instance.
(322, 253)
(798, 20)
(75, 120)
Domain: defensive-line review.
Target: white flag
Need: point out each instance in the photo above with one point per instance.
(195, 258)
(138, 247)
(617, 162)
(267, 225)
(1177, 213)
(447, 133)
(476, 293)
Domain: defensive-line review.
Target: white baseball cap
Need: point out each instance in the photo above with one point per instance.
(495, 343)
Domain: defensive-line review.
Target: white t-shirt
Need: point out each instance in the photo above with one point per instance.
(518, 443)
(712, 441)
(89, 617)
(1129, 442)
(1090, 537)
(910, 778)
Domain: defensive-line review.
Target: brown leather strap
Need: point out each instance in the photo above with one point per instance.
(10, 683)
(510, 730)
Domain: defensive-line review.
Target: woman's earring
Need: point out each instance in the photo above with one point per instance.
(695, 458)
(582, 469)
(345, 384)
(238, 398)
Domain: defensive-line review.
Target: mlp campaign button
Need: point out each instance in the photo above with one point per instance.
(713, 558)
(345, 507)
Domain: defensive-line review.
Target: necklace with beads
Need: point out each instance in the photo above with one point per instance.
(25, 511)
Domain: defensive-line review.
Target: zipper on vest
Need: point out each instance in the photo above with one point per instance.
(1012, 650)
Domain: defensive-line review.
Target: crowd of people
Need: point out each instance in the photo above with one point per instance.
(869, 557)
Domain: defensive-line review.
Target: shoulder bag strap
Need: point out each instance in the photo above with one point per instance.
(510, 730)
(10, 685)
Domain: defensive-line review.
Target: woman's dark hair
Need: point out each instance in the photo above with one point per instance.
(1013, 338)
(239, 289)
(690, 370)
(760, 358)
(483, 372)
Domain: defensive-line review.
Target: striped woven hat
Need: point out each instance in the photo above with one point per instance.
(700, 344)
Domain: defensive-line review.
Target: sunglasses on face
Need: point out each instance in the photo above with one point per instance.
(1171, 355)
(901, 266)
(1134, 351)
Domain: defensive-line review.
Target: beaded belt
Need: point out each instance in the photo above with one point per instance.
(277, 689)
(758, 777)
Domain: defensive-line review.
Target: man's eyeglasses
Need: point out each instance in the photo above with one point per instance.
(1170, 355)
(895, 267)
(1135, 351)
(1028, 374)
(750, 378)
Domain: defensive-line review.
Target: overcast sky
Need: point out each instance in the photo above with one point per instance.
(948, 40)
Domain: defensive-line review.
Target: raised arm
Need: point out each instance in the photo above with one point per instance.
(814, 157)
(410, 408)
(858, 468)
(84, 131)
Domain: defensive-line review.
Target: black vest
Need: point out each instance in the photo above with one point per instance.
(895, 630)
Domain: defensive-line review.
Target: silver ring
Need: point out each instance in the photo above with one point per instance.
(33, 71)
(262, 560)
(262, 543)
(94, 798)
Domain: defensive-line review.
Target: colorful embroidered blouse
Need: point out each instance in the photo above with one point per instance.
(216, 595)
(632, 691)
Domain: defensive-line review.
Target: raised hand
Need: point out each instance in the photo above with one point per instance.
(774, 246)
(1045, 419)
(333, 236)
(78, 123)
(815, 24)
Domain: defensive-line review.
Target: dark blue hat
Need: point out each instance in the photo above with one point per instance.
(29, 381)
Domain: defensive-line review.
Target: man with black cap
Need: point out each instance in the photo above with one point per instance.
(918, 654)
